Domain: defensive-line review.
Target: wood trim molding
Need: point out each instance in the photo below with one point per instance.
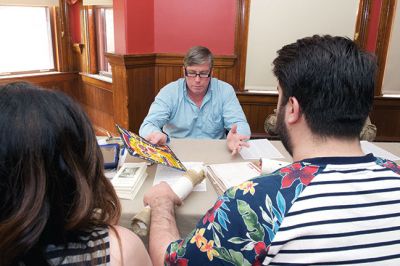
(40, 78)
(131, 61)
(384, 30)
(241, 34)
(65, 57)
(177, 60)
(386, 116)
(96, 82)
(92, 40)
(362, 23)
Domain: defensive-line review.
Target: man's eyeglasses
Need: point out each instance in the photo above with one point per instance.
(194, 74)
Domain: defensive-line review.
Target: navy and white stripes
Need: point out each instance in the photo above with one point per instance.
(348, 215)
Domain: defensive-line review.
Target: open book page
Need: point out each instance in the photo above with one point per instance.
(226, 175)
(259, 148)
(172, 176)
(369, 147)
(139, 147)
(268, 165)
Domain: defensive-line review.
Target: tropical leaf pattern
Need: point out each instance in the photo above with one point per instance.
(243, 222)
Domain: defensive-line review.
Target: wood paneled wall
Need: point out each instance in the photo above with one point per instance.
(138, 78)
(96, 98)
(386, 116)
(65, 82)
(257, 106)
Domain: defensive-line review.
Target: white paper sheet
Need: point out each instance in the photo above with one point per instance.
(369, 147)
(260, 148)
(233, 174)
(171, 175)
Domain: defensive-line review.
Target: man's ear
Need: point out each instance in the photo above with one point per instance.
(293, 111)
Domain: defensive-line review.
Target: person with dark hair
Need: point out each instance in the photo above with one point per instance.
(197, 106)
(334, 205)
(57, 207)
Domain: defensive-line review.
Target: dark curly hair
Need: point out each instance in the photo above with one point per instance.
(332, 79)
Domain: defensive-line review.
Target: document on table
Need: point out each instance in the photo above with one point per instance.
(260, 148)
(369, 147)
(172, 176)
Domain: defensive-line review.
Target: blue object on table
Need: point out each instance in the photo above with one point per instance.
(110, 155)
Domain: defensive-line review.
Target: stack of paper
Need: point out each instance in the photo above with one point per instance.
(226, 175)
(129, 179)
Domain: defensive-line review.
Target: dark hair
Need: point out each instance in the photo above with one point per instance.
(332, 79)
(198, 55)
(52, 184)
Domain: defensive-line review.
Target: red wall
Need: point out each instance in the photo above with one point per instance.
(181, 24)
(173, 26)
(133, 26)
(119, 7)
(140, 26)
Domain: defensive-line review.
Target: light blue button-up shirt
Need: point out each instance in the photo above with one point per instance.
(174, 113)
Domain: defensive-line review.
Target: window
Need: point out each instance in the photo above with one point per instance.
(98, 37)
(23, 48)
(105, 37)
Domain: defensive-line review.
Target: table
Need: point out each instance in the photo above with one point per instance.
(197, 203)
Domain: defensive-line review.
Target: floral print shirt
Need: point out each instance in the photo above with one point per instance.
(239, 228)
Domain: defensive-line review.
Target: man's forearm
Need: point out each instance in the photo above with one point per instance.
(163, 230)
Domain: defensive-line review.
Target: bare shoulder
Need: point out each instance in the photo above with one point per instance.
(127, 248)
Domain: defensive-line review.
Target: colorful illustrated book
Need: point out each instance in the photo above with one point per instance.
(139, 147)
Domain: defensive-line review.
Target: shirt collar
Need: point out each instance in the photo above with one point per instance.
(368, 158)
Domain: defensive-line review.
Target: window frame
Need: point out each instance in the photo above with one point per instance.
(91, 53)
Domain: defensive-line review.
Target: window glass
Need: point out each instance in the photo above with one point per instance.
(26, 41)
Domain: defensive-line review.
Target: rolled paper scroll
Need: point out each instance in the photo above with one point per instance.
(268, 166)
(141, 221)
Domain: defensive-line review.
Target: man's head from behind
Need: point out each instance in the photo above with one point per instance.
(333, 82)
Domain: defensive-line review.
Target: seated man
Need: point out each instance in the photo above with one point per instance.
(197, 106)
(368, 131)
(334, 205)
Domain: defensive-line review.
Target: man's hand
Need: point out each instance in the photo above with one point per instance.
(236, 141)
(161, 194)
(157, 138)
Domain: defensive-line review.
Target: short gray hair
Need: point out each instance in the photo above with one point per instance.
(198, 55)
